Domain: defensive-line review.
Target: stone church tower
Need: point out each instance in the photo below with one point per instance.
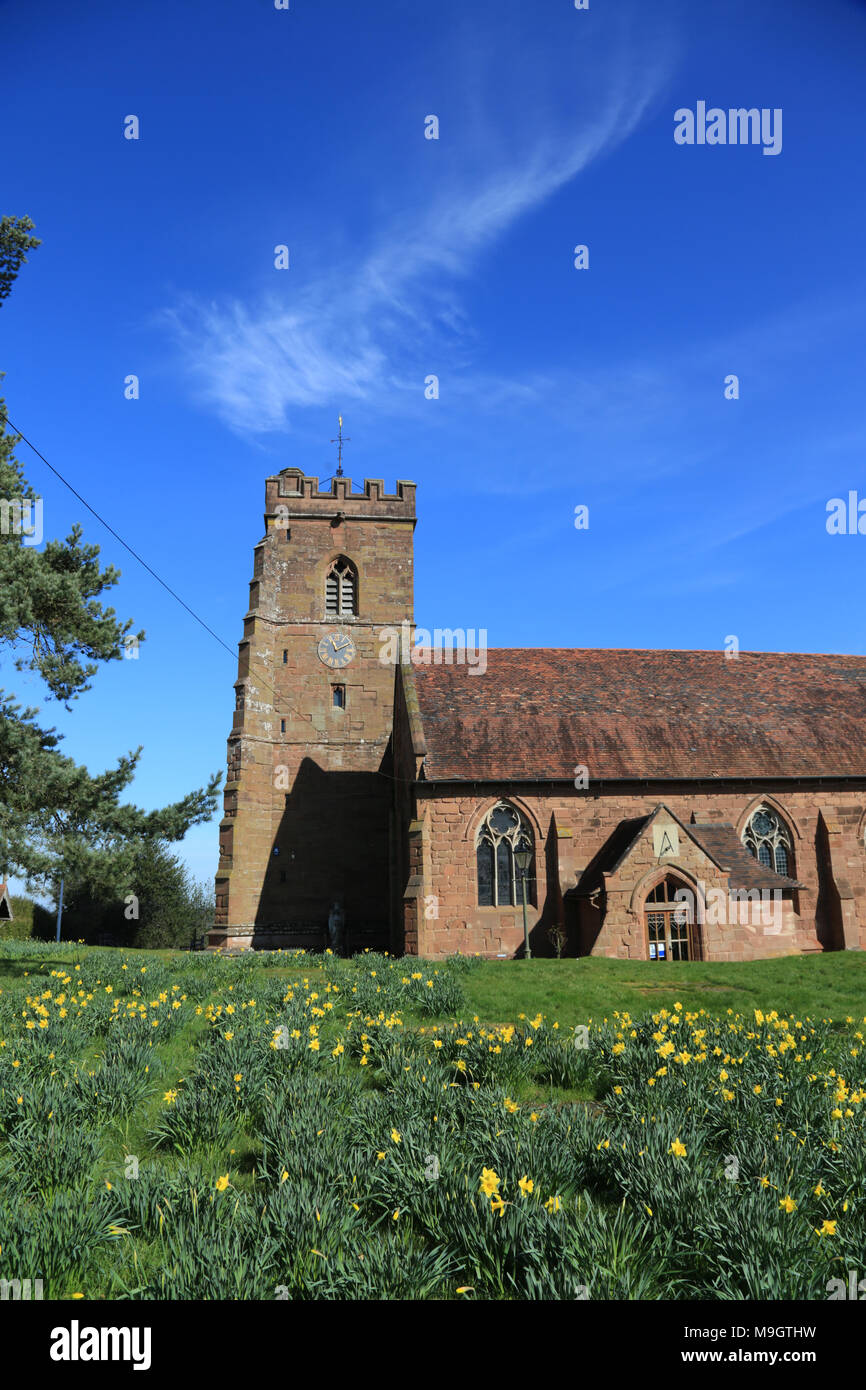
(308, 816)
(401, 800)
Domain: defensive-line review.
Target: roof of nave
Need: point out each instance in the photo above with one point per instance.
(541, 713)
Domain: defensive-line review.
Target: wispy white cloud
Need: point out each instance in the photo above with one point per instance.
(345, 335)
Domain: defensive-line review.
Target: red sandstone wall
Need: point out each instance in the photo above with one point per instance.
(829, 911)
(305, 778)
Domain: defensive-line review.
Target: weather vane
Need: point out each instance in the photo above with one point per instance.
(340, 441)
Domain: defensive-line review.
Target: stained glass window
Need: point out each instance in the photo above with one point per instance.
(502, 831)
(767, 837)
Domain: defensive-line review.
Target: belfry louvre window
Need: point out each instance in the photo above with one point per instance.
(767, 837)
(341, 588)
(502, 831)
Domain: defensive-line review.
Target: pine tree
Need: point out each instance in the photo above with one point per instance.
(15, 241)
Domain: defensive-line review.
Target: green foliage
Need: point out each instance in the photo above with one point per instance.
(162, 907)
(15, 242)
(28, 919)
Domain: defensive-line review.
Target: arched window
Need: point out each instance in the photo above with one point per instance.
(502, 831)
(767, 837)
(341, 588)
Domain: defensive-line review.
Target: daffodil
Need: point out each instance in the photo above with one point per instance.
(489, 1182)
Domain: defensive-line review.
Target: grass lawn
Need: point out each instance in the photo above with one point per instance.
(573, 991)
(831, 985)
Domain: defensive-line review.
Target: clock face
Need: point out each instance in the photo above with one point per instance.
(336, 650)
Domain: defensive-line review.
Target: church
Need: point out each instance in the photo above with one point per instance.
(642, 805)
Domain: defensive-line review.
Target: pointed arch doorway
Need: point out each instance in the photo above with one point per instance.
(670, 928)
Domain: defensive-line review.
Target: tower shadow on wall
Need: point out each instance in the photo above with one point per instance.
(828, 906)
(547, 897)
(585, 903)
(332, 845)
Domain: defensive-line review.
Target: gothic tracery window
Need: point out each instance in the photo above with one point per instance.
(341, 588)
(502, 831)
(767, 837)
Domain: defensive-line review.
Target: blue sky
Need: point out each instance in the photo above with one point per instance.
(453, 257)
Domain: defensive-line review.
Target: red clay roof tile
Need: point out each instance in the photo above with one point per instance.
(539, 713)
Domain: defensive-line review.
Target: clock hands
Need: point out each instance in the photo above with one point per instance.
(342, 648)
